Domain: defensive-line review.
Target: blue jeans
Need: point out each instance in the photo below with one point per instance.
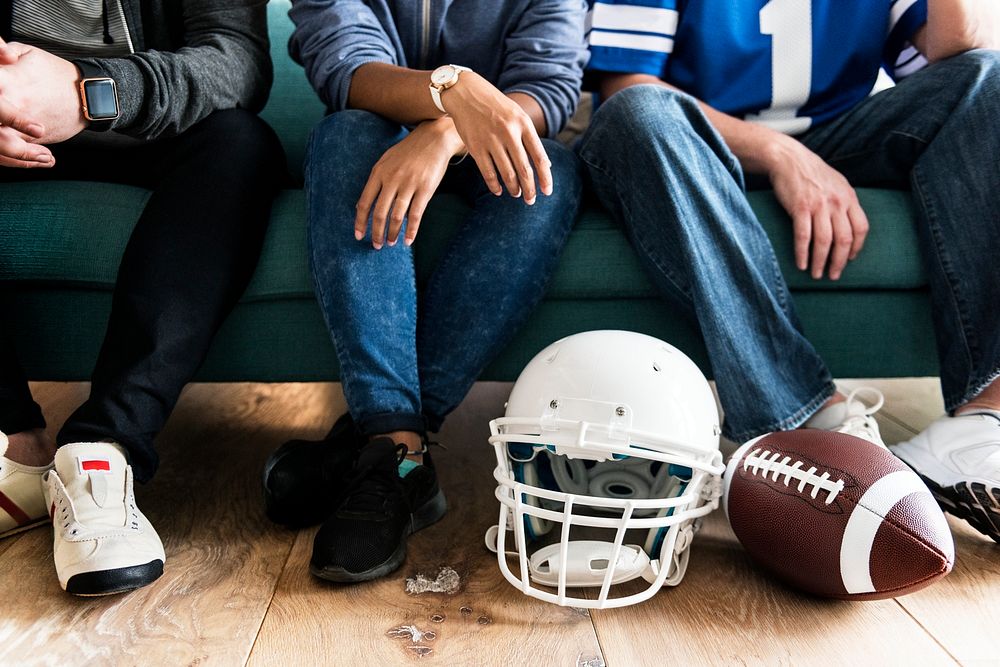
(659, 166)
(402, 372)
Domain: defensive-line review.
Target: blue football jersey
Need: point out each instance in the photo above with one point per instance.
(788, 64)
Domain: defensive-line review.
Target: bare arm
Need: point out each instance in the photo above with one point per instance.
(499, 132)
(402, 95)
(956, 26)
(823, 206)
(405, 178)
(397, 93)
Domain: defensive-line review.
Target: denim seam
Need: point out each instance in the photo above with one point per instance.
(797, 418)
(958, 303)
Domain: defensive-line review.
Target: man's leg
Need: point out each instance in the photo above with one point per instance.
(490, 279)
(936, 133)
(25, 449)
(18, 411)
(658, 165)
(187, 262)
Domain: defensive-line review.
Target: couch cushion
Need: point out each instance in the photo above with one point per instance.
(293, 108)
(78, 238)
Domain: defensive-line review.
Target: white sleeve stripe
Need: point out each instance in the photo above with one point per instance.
(625, 40)
(898, 9)
(632, 17)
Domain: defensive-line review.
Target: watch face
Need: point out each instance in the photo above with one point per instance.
(102, 99)
(443, 75)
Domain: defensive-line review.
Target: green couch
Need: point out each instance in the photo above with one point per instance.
(61, 243)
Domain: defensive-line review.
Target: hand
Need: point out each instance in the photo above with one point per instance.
(403, 181)
(823, 205)
(44, 86)
(499, 136)
(18, 129)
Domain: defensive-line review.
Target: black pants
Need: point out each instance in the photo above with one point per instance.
(186, 264)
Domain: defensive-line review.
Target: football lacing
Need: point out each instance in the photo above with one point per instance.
(768, 462)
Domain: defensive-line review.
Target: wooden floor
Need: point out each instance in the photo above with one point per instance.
(236, 589)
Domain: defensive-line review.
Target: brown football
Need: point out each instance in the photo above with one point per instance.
(836, 516)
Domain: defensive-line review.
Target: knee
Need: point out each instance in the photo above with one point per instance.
(245, 141)
(642, 118)
(979, 72)
(351, 133)
(982, 62)
(644, 108)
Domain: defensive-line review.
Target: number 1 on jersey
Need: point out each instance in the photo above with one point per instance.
(789, 23)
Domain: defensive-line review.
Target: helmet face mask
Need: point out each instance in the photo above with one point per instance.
(611, 437)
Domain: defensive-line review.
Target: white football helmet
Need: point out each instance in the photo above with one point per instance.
(605, 432)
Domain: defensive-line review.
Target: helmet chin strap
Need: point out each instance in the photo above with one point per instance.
(587, 561)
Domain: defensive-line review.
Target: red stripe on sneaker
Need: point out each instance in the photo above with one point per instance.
(11, 508)
(96, 465)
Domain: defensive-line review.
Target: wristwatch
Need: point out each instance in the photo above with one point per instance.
(442, 79)
(98, 96)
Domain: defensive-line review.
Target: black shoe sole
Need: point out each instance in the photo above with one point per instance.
(275, 512)
(110, 582)
(972, 501)
(425, 515)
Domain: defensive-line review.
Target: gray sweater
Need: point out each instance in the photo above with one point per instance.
(531, 46)
(191, 58)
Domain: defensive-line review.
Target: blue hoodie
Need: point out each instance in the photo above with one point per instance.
(529, 46)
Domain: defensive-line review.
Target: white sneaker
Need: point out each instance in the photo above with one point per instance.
(103, 544)
(22, 505)
(959, 459)
(852, 416)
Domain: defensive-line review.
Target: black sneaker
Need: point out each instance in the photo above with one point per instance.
(365, 538)
(303, 478)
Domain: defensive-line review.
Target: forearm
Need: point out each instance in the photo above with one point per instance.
(397, 93)
(956, 26)
(757, 147)
(224, 64)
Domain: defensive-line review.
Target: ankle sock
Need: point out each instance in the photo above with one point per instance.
(829, 417)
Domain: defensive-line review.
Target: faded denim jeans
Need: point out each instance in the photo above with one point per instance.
(405, 368)
(659, 166)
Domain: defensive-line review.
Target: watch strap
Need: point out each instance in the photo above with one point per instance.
(436, 97)
(89, 70)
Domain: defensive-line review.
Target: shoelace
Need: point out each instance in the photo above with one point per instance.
(368, 487)
(862, 425)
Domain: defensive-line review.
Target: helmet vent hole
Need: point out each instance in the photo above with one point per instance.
(621, 490)
(656, 367)
(600, 564)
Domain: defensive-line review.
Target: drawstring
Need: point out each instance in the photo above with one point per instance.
(108, 39)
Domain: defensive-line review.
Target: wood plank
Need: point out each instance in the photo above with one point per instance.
(726, 611)
(223, 557)
(312, 621)
(961, 611)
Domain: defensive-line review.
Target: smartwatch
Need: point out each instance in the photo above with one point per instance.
(98, 96)
(442, 79)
